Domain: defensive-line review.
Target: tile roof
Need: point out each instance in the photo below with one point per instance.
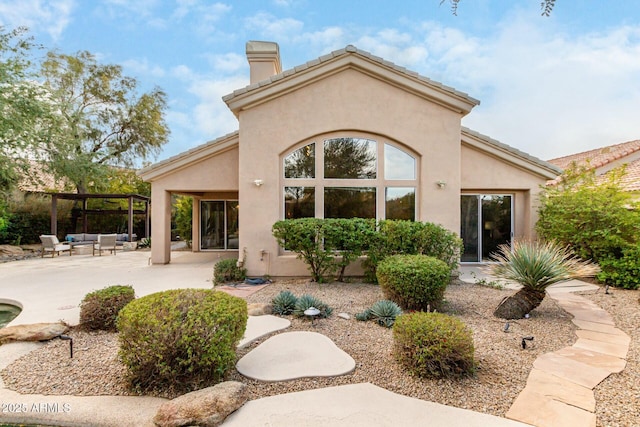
(609, 156)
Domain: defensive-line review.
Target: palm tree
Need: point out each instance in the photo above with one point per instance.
(535, 265)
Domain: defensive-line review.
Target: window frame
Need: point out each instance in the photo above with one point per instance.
(320, 182)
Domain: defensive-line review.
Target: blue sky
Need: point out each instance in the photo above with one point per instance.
(548, 86)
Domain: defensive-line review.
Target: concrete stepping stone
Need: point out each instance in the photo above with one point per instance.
(292, 355)
(542, 411)
(593, 358)
(259, 326)
(560, 389)
(356, 405)
(592, 315)
(571, 370)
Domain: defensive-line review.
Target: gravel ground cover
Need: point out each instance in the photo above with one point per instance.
(503, 364)
(618, 396)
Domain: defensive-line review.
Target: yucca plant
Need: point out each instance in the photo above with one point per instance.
(385, 312)
(535, 265)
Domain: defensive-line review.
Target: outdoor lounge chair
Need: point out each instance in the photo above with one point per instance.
(50, 243)
(106, 242)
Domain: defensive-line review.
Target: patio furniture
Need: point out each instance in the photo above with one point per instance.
(105, 242)
(50, 243)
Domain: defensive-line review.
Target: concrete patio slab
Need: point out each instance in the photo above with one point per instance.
(356, 405)
(571, 370)
(560, 389)
(543, 411)
(618, 339)
(593, 358)
(259, 326)
(616, 350)
(292, 355)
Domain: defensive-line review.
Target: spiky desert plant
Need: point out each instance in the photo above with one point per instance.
(363, 316)
(307, 301)
(385, 312)
(535, 265)
(284, 303)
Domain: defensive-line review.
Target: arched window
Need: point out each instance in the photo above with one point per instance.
(346, 177)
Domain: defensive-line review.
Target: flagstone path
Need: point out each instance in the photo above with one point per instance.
(559, 390)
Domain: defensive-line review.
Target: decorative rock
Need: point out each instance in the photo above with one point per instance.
(207, 407)
(10, 250)
(33, 332)
(344, 316)
(259, 309)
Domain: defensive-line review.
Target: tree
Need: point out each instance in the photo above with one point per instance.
(594, 216)
(23, 107)
(536, 266)
(102, 121)
(546, 6)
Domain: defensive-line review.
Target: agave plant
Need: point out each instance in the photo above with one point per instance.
(284, 303)
(535, 265)
(307, 301)
(385, 312)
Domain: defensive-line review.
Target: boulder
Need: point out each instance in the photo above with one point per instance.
(207, 407)
(344, 316)
(259, 309)
(33, 332)
(11, 250)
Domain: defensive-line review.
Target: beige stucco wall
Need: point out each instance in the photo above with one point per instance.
(348, 103)
(215, 175)
(485, 174)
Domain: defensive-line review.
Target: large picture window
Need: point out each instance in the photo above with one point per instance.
(347, 177)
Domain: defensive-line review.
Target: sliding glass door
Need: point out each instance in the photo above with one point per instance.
(486, 222)
(218, 224)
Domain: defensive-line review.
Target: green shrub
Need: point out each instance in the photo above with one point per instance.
(227, 270)
(306, 301)
(284, 303)
(99, 309)
(145, 242)
(595, 217)
(180, 340)
(623, 272)
(433, 345)
(411, 238)
(305, 237)
(385, 312)
(415, 282)
(347, 239)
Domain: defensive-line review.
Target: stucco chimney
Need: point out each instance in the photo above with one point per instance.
(264, 60)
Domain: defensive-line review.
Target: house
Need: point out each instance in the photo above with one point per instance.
(347, 134)
(605, 159)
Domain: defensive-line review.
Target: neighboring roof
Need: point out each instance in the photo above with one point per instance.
(509, 154)
(349, 57)
(187, 158)
(606, 158)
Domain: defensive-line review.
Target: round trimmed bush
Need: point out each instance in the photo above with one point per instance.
(433, 345)
(180, 340)
(99, 309)
(414, 282)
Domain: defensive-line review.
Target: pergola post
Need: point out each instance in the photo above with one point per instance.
(54, 215)
(130, 224)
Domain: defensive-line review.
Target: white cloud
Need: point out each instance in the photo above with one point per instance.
(274, 28)
(51, 17)
(228, 62)
(143, 67)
